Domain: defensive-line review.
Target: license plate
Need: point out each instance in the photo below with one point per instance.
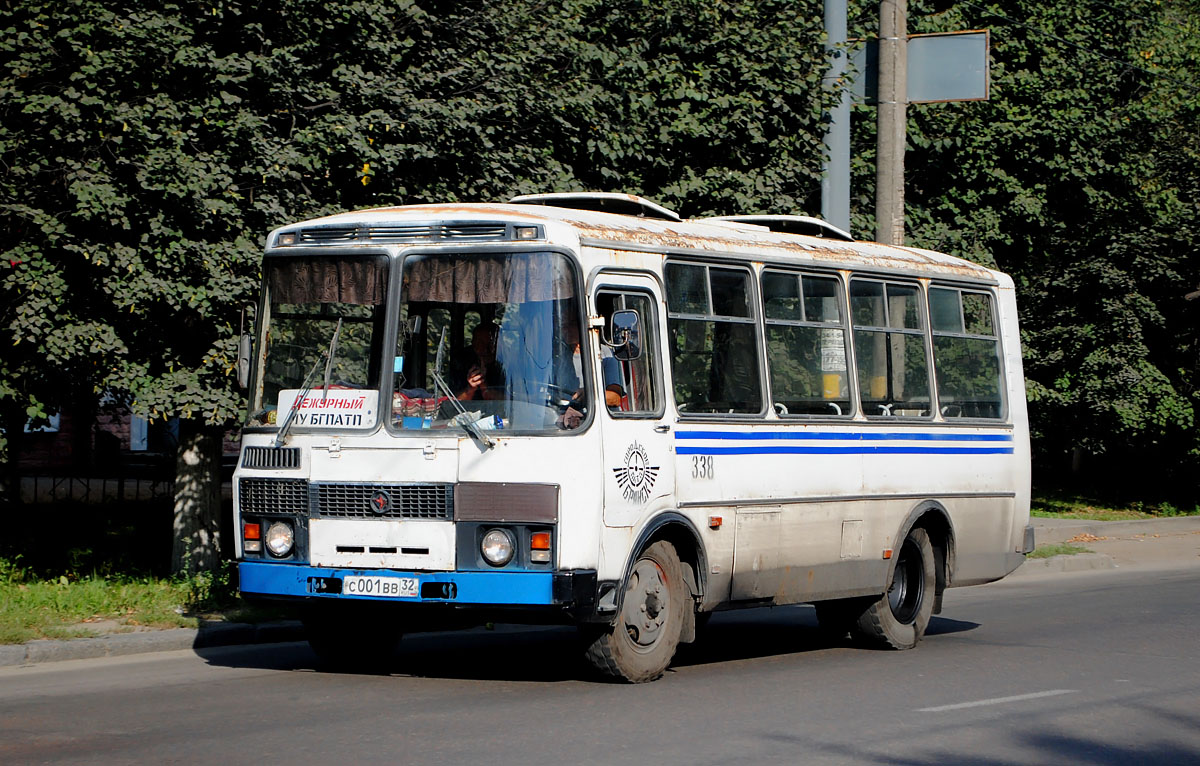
(380, 587)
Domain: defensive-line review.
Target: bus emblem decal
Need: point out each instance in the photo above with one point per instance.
(636, 477)
(381, 502)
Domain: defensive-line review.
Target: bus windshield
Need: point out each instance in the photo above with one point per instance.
(324, 333)
(507, 328)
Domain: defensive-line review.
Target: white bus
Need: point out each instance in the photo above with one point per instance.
(581, 409)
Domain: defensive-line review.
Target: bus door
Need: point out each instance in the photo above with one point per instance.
(639, 462)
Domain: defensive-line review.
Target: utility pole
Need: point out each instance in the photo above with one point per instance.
(835, 176)
(893, 100)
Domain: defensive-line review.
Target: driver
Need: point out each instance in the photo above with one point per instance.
(485, 378)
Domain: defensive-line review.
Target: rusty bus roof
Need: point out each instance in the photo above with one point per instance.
(717, 237)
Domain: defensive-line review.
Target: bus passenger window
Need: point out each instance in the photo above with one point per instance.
(966, 354)
(713, 343)
(889, 346)
(806, 345)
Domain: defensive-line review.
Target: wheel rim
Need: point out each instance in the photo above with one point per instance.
(908, 584)
(647, 605)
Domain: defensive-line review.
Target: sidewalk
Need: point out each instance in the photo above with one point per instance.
(120, 644)
(1115, 544)
(1132, 544)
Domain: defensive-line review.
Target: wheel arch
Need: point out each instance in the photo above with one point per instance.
(679, 531)
(933, 517)
(676, 529)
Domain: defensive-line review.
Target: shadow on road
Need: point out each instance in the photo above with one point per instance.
(552, 654)
(941, 626)
(508, 653)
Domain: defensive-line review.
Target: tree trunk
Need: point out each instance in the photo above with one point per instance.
(197, 527)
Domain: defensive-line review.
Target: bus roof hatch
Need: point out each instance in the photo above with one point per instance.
(789, 224)
(604, 202)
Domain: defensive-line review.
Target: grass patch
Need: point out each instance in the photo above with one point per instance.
(1057, 549)
(62, 608)
(33, 606)
(1056, 506)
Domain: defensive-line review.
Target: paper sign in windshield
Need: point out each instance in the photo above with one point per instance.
(335, 408)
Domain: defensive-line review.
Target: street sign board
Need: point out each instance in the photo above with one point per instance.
(941, 67)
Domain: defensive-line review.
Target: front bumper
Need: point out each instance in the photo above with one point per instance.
(575, 589)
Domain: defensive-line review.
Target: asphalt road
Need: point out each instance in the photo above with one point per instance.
(1089, 668)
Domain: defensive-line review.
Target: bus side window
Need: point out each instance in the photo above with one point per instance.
(806, 344)
(889, 346)
(631, 387)
(714, 339)
(966, 353)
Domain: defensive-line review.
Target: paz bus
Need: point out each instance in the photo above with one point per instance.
(581, 409)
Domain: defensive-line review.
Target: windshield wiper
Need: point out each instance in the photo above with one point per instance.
(337, 331)
(464, 419)
(306, 386)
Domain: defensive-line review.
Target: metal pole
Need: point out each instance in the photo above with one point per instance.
(835, 173)
(893, 88)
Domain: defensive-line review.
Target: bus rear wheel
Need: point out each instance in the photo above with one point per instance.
(898, 619)
(642, 642)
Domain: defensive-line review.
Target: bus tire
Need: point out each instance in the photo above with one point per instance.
(353, 640)
(642, 642)
(899, 617)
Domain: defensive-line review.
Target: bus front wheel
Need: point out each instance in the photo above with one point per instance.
(642, 642)
(898, 619)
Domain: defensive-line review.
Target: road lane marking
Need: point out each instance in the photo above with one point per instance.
(999, 700)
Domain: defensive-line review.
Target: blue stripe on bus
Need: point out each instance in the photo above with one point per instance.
(863, 450)
(840, 436)
(491, 588)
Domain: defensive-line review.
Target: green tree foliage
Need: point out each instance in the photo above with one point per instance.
(145, 150)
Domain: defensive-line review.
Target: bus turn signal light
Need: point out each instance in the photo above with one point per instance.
(539, 547)
(252, 538)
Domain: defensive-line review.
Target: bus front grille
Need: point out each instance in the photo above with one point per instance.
(373, 501)
(270, 457)
(346, 501)
(272, 496)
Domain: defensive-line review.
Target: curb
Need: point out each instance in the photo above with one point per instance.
(1062, 531)
(1078, 562)
(122, 644)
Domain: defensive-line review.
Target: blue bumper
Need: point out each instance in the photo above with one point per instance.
(465, 588)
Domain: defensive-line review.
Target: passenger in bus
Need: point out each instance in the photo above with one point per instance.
(485, 378)
(610, 370)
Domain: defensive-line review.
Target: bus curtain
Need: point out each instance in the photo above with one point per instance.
(518, 278)
(360, 281)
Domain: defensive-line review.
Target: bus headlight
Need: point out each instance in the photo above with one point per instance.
(280, 538)
(497, 547)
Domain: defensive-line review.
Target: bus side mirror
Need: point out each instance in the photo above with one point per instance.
(243, 361)
(626, 338)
